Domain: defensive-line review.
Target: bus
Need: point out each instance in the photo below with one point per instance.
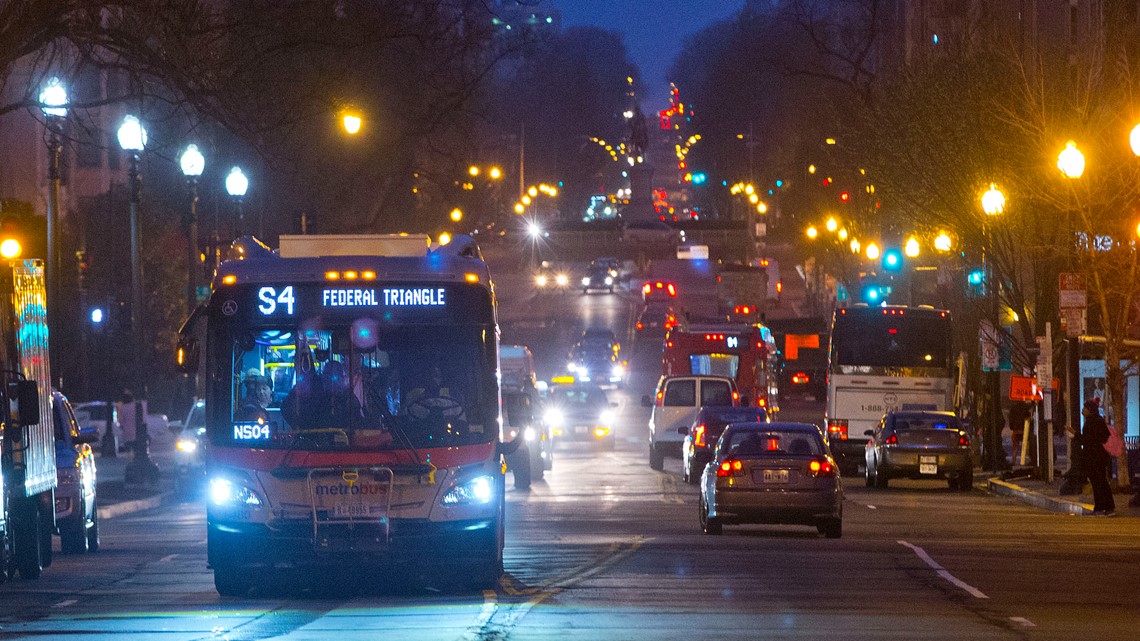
(352, 409)
(884, 359)
(743, 352)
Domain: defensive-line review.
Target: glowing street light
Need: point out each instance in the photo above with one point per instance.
(444, 238)
(832, 224)
(1071, 161)
(855, 246)
(1134, 140)
(993, 201)
(873, 251)
(911, 248)
(10, 248)
(812, 232)
(942, 242)
(456, 215)
(473, 171)
(352, 123)
(495, 173)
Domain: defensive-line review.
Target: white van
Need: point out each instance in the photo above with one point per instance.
(675, 405)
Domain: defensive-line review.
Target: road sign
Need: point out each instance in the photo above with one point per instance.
(1022, 388)
(1073, 298)
(989, 340)
(1074, 320)
(1071, 281)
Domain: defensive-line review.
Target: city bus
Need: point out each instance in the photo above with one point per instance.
(884, 359)
(378, 441)
(743, 352)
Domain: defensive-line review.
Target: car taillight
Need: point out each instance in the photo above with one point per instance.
(736, 398)
(699, 435)
(837, 429)
(761, 402)
(671, 289)
(640, 326)
(779, 287)
(963, 440)
(800, 378)
(821, 469)
(731, 467)
(660, 399)
(891, 440)
(645, 288)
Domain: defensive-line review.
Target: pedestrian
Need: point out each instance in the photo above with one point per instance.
(1096, 459)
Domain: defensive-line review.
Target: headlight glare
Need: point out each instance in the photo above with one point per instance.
(607, 418)
(553, 417)
(226, 493)
(528, 433)
(478, 491)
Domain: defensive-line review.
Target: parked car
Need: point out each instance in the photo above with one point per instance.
(76, 505)
(702, 435)
(675, 403)
(920, 445)
(100, 414)
(772, 473)
(189, 445)
(581, 412)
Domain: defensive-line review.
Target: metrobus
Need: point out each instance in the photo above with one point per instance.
(744, 352)
(884, 359)
(378, 441)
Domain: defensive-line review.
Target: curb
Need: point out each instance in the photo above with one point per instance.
(1005, 488)
(128, 507)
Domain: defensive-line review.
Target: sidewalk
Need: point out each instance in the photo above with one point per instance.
(116, 498)
(1046, 495)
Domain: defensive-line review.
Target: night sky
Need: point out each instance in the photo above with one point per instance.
(654, 31)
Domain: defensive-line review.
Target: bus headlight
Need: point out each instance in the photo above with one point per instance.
(553, 417)
(607, 418)
(226, 493)
(618, 371)
(476, 491)
(528, 434)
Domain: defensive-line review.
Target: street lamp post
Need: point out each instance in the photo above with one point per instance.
(132, 138)
(993, 204)
(1071, 163)
(193, 163)
(236, 186)
(53, 102)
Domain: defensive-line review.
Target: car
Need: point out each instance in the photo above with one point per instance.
(656, 318)
(96, 414)
(548, 278)
(581, 412)
(771, 473)
(675, 404)
(522, 411)
(702, 435)
(598, 277)
(920, 445)
(596, 358)
(76, 503)
(610, 264)
(189, 450)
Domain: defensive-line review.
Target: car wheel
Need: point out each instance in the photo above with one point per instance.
(585, 290)
(93, 531)
(536, 464)
(709, 525)
(966, 481)
(867, 476)
(232, 581)
(692, 474)
(656, 458)
(519, 464)
(73, 533)
(28, 548)
(832, 528)
(880, 479)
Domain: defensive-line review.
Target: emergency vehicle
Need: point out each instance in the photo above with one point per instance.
(743, 352)
(380, 441)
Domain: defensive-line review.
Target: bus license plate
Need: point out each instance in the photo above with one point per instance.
(357, 510)
(775, 476)
(928, 465)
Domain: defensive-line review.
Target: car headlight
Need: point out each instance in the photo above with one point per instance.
(585, 280)
(618, 371)
(528, 433)
(477, 491)
(540, 280)
(607, 417)
(553, 417)
(226, 493)
(572, 366)
(609, 280)
(187, 445)
(562, 280)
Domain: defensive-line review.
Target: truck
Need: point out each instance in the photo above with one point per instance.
(27, 436)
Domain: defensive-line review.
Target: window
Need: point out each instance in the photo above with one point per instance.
(716, 393)
(680, 393)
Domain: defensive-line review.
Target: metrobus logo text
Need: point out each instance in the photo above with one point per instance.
(344, 489)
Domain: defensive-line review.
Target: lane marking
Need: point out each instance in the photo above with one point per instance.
(64, 604)
(1022, 621)
(942, 572)
(478, 630)
(168, 557)
(871, 507)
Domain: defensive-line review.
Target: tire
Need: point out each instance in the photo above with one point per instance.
(93, 531)
(47, 527)
(709, 525)
(953, 483)
(656, 458)
(548, 462)
(867, 478)
(692, 476)
(232, 581)
(536, 465)
(487, 575)
(73, 534)
(880, 479)
(832, 528)
(28, 543)
(966, 482)
(520, 468)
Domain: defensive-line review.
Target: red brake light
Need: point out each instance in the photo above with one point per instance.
(659, 284)
(735, 397)
(800, 378)
(640, 326)
(645, 288)
(699, 435)
(837, 429)
(891, 440)
(963, 440)
(672, 290)
(731, 467)
(779, 287)
(773, 445)
(761, 402)
(821, 468)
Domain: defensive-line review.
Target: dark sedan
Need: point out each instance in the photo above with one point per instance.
(701, 436)
(920, 445)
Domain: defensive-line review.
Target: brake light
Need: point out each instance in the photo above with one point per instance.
(761, 402)
(837, 429)
(640, 326)
(735, 397)
(779, 287)
(800, 378)
(660, 398)
(645, 288)
(699, 435)
(963, 440)
(821, 469)
(773, 444)
(891, 440)
(731, 467)
(671, 289)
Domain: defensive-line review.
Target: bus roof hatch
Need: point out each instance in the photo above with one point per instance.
(394, 245)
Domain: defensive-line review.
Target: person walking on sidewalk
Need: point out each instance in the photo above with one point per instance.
(1096, 459)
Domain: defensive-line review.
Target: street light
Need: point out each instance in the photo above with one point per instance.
(942, 242)
(812, 232)
(456, 215)
(192, 163)
(351, 122)
(53, 103)
(993, 204)
(911, 249)
(1134, 140)
(873, 251)
(1071, 161)
(236, 186)
(132, 139)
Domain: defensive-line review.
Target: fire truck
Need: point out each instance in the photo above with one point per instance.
(27, 437)
(746, 353)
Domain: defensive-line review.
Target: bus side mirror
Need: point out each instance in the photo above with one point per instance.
(24, 405)
(186, 356)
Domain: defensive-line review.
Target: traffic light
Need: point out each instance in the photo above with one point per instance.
(699, 178)
(892, 260)
(976, 283)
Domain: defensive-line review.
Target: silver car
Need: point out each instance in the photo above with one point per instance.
(920, 445)
(772, 473)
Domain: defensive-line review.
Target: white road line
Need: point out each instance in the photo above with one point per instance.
(942, 572)
(1023, 622)
(871, 507)
(168, 557)
(490, 606)
(64, 604)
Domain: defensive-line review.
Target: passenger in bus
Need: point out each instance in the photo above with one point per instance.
(257, 395)
(301, 408)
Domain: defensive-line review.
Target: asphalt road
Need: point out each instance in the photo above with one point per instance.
(604, 548)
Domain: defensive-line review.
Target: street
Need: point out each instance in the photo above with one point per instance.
(605, 548)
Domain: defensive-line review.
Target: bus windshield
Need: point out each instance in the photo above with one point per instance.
(358, 385)
(878, 340)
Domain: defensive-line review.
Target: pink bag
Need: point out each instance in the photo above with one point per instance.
(1115, 444)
